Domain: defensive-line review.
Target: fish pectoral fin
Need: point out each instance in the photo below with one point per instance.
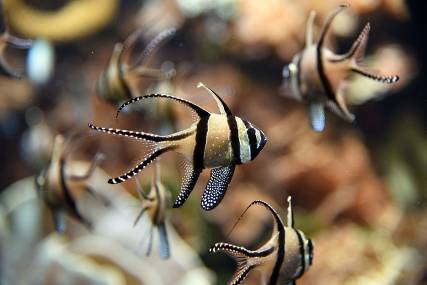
(333, 107)
(58, 220)
(217, 186)
(223, 108)
(316, 112)
(7, 70)
(106, 202)
(145, 208)
(164, 249)
(189, 180)
(91, 169)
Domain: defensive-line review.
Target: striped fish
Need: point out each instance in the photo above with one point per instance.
(113, 83)
(7, 39)
(59, 190)
(217, 141)
(281, 260)
(156, 203)
(318, 77)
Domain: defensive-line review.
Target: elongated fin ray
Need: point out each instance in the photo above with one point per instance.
(316, 113)
(278, 223)
(223, 108)
(153, 46)
(379, 78)
(139, 167)
(140, 135)
(163, 241)
(199, 111)
(189, 180)
(357, 50)
(217, 186)
(139, 216)
(309, 31)
(327, 24)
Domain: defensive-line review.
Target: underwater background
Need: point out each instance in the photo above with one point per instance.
(359, 189)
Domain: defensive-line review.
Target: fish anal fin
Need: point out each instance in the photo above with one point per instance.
(316, 112)
(217, 186)
(164, 248)
(58, 218)
(223, 108)
(189, 179)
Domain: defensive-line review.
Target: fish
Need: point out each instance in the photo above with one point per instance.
(7, 39)
(214, 141)
(319, 77)
(113, 83)
(155, 204)
(284, 258)
(60, 189)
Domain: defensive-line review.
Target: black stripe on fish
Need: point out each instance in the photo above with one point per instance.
(327, 87)
(250, 131)
(280, 255)
(298, 64)
(234, 138)
(301, 252)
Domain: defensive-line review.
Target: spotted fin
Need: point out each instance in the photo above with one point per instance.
(317, 116)
(163, 241)
(189, 180)
(58, 221)
(217, 186)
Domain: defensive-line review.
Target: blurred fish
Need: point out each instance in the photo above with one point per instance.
(217, 141)
(156, 203)
(282, 260)
(113, 83)
(40, 62)
(7, 39)
(318, 77)
(60, 190)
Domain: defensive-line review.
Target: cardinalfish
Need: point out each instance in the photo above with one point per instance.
(156, 203)
(282, 260)
(7, 39)
(319, 77)
(59, 189)
(215, 141)
(113, 84)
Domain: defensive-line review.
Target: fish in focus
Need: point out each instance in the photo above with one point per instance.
(319, 77)
(281, 260)
(217, 141)
(156, 203)
(113, 84)
(6, 39)
(60, 189)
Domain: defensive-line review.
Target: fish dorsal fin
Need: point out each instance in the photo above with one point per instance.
(202, 113)
(223, 108)
(309, 30)
(290, 213)
(150, 48)
(357, 51)
(278, 223)
(327, 24)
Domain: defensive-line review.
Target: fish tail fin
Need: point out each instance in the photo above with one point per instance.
(374, 76)
(164, 248)
(317, 116)
(241, 255)
(140, 166)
